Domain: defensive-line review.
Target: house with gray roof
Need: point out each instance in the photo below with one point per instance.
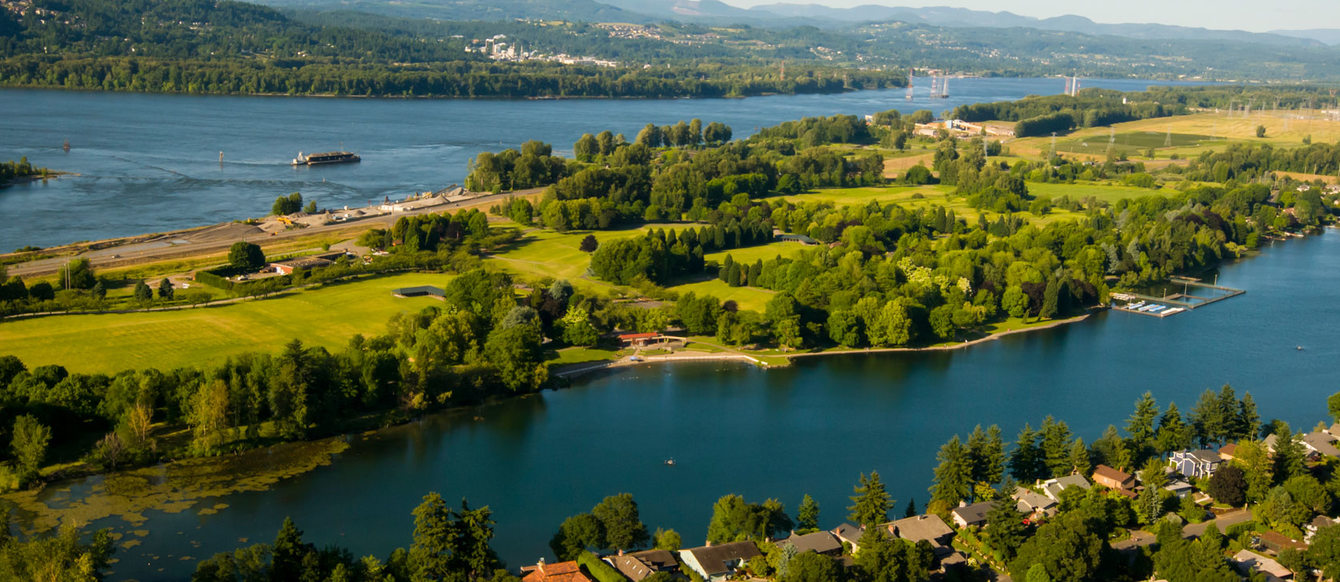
(1248, 561)
(1196, 464)
(1321, 444)
(922, 527)
(849, 534)
(971, 515)
(1053, 487)
(819, 542)
(1033, 503)
(718, 562)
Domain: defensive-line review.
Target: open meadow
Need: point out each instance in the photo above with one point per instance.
(324, 316)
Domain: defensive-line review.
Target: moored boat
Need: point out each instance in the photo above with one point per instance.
(326, 158)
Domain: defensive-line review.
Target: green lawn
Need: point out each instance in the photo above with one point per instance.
(750, 298)
(325, 317)
(545, 253)
(761, 252)
(1131, 142)
(1082, 190)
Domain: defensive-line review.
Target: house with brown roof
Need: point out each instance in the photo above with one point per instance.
(638, 565)
(718, 562)
(1228, 452)
(1112, 478)
(560, 572)
(1278, 542)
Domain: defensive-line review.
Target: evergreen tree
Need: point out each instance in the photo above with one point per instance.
(143, 293)
(953, 476)
(1249, 421)
(911, 510)
(987, 452)
(1173, 433)
(807, 515)
(1056, 446)
(871, 504)
(1079, 458)
(1005, 529)
(1026, 458)
(1140, 425)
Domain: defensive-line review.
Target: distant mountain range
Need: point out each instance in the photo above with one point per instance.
(789, 15)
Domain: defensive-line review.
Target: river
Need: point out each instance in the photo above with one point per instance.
(810, 428)
(150, 163)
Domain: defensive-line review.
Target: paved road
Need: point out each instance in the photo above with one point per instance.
(197, 242)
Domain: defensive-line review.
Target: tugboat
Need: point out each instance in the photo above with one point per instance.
(326, 158)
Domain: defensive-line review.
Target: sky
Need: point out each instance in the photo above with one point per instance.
(1255, 16)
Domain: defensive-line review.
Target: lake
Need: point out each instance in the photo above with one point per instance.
(811, 428)
(150, 163)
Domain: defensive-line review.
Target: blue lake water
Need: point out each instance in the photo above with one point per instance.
(150, 163)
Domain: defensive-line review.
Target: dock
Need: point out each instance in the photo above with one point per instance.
(1194, 295)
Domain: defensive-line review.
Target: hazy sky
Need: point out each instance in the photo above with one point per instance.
(1255, 16)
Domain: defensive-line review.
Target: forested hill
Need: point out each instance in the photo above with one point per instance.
(200, 46)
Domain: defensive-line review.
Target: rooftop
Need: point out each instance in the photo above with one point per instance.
(560, 572)
(1254, 561)
(819, 542)
(1107, 472)
(713, 558)
(975, 513)
(921, 527)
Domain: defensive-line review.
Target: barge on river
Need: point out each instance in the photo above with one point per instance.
(326, 158)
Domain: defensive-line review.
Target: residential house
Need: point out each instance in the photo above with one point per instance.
(718, 562)
(1334, 430)
(639, 565)
(1248, 561)
(1196, 464)
(1228, 452)
(931, 529)
(301, 264)
(974, 515)
(1278, 542)
(849, 534)
(819, 542)
(1269, 442)
(1053, 487)
(1317, 524)
(1034, 504)
(560, 572)
(1320, 443)
(1179, 487)
(1112, 478)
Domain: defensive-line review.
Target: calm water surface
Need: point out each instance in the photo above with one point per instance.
(150, 163)
(782, 433)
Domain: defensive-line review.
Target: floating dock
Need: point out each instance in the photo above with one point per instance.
(1195, 294)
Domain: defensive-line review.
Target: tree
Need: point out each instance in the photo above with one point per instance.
(576, 534)
(143, 293)
(871, 504)
(807, 515)
(1228, 485)
(810, 567)
(286, 562)
(29, 444)
(208, 417)
(1026, 458)
(884, 558)
(668, 540)
(1005, 529)
(623, 527)
(1140, 425)
(246, 256)
(77, 274)
(1066, 548)
(733, 520)
(1260, 131)
(285, 205)
(1333, 405)
(953, 476)
(1056, 446)
(165, 290)
(1173, 433)
(987, 452)
(589, 244)
(1079, 459)
(1324, 553)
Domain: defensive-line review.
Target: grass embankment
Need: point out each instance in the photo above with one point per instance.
(544, 253)
(323, 316)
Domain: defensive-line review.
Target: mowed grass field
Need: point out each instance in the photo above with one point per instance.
(546, 253)
(750, 298)
(109, 343)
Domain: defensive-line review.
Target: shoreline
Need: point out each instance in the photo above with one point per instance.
(578, 370)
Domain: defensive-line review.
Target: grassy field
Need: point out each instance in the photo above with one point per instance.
(749, 298)
(111, 342)
(761, 252)
(1131, 142)
(1104, 192)
(546, 253)
(1193, 134)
